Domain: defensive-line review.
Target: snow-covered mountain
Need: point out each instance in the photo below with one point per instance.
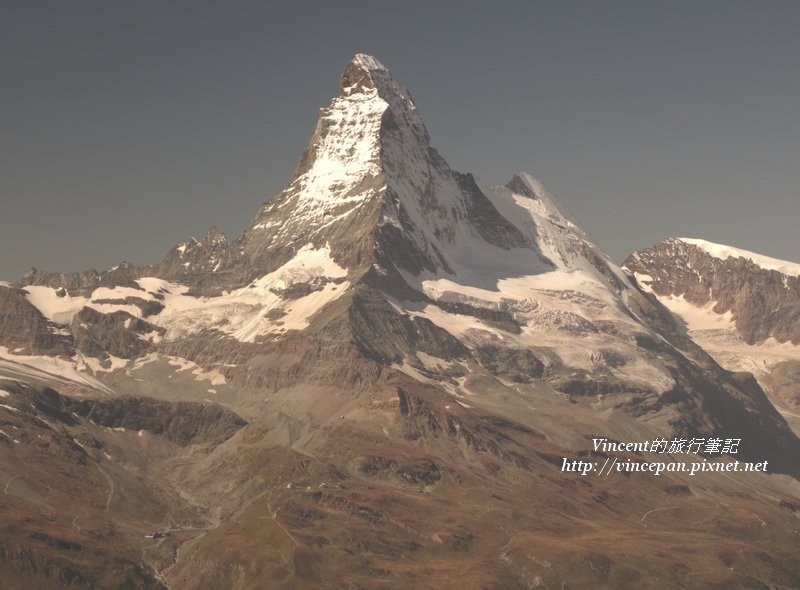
(741, 307)
(374, 220)
(383, 322)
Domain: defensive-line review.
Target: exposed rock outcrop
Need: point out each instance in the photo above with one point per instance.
(117, 334)
(22, 326)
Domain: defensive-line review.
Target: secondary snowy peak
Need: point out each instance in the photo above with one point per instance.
(557, 235)
(759, 294)
(547, 206)
(724, 252)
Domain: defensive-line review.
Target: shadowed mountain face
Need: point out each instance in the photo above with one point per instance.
(404, 356)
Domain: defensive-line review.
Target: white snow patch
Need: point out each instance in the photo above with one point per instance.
(348, 154)
(245, 313)
(154, 285)
(214, 376)
(120, 293)
(717, 334)
(433, 362)
(723, 252)
(47, 368)
(117, 363)
(94, 365)
(144, 360)
(60, 310)
(201, 374)
(644, 281)
(456, 391)
(698, 318)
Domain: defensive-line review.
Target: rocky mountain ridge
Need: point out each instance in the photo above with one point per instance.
(762, 295)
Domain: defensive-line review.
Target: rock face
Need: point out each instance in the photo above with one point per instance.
(387, 325)
(22, 326)
(762, 295)
(83, 282)
(783, 380)
(118, 334)
(183, 423)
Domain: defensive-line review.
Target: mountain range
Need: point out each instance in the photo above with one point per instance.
(377, 384)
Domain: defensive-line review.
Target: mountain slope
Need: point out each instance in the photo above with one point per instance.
(742, 307)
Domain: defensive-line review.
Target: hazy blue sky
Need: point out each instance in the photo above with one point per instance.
(125, 127)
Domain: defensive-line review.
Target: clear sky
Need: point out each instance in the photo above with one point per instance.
(126, 127)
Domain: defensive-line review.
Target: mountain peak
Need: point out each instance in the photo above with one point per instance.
(368, 131)
(363, 72)
(368, 61)
(366, 79)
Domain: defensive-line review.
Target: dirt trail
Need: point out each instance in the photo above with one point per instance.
(8, 483)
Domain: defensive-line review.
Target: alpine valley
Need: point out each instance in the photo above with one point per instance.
(376, 386)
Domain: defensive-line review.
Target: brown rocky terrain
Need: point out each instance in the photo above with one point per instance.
(81, 485)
